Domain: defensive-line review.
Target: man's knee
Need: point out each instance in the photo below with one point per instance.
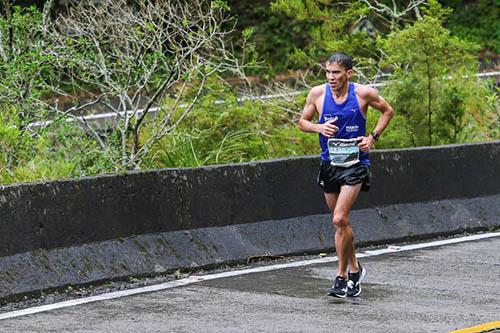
(340, 220)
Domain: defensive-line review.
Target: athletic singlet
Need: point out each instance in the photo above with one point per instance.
(350, 120)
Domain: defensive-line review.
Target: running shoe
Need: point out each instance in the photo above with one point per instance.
(339, 288)
(354, 283)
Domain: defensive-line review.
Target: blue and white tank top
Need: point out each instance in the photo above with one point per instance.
(350, 120)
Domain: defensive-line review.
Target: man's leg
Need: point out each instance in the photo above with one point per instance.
(331, 201)
(344, 237)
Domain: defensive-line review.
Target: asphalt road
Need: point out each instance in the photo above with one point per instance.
(435, 289)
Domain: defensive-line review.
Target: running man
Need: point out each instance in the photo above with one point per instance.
(342, 108)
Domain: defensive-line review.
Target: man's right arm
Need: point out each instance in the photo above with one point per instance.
(305, 122)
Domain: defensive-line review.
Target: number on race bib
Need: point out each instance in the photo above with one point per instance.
(343, 152)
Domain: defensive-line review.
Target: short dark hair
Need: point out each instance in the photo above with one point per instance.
(341, 59)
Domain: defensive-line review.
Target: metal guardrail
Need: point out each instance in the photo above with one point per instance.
(112, 115)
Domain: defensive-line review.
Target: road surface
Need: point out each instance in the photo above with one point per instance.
(434, 289)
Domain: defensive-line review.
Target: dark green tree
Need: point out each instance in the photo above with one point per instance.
(432, 78)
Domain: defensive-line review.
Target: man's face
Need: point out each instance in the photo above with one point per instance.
(336, 75)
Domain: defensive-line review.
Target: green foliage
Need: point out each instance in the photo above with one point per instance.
(433, 90)
(274, 37)
(26, 78)
(220, 4)
(231, 132)
(432, 87)
(476, 21)
(26, 73)
(294, 34)
(482, 119)
(59, 151)
(330, 27)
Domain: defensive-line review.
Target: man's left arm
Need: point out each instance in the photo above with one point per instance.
(377, 102)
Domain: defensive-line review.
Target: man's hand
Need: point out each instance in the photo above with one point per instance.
(328, 129)
(365, 143)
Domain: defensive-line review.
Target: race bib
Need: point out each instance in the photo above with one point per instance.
(343, 152)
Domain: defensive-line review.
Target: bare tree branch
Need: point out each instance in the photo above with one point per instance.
(131, 57)
(394, 15)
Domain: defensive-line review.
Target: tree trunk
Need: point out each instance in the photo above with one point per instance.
(429, 102)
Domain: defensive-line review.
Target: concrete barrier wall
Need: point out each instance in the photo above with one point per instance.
(67, 213)
(81, 231)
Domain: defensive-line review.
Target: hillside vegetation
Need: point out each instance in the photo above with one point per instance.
(177, 76)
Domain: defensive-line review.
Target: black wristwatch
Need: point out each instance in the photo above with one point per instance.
(375, 135)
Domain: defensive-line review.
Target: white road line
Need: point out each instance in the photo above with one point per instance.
(195, 279)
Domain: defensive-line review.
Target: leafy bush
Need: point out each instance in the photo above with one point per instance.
(55, 152)
(433, 86)
(231, 132)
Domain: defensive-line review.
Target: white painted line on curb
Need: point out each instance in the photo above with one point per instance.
(195, 278)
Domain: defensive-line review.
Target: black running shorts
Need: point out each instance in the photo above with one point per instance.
(331, 178)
